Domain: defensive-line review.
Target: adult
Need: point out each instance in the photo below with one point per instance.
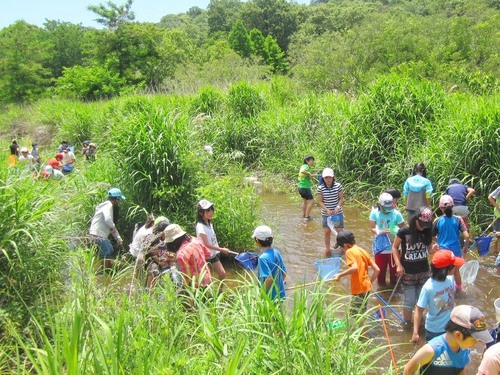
(385, 220)
(137, 245)
(461, 194)
(191, 256)
(490, 364)
(206, 234)
(304, 186)
(417, 189)
(331, 198)
(68, 161)
(35, 152)
(103, 224)
(56, 161)
(410, 250)
(446, 231)
(62, 146)
(26, 160)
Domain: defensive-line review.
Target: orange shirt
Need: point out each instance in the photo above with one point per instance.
(191, 260)
(360, 280)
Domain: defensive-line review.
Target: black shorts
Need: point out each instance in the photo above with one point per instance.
(214, 259)
(306, 193)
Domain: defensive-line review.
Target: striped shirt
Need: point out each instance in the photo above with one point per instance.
(191, 260)
(330, 196)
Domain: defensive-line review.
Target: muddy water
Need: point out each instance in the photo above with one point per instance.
(301, 243)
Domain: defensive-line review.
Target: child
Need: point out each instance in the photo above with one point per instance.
(446, 231)
(396, 194)
(449, 353)
(305, 191)
(490, 364)
(331, 198)
(191, 256)
(437, 295)
(271, 271)
(206, 234)
(411, 260)
(383, 220)
(494, 199)
(358, 261)
(461, 194)
(417, 189)
(162, 263)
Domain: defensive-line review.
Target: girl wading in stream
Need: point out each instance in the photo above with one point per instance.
(410, 250)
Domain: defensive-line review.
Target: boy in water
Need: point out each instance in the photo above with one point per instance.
(358, 261)
(449, 353)
(271, 269)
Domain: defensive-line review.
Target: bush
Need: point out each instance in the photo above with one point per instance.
(245, 101)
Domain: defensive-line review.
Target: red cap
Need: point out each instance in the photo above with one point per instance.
(445, 258)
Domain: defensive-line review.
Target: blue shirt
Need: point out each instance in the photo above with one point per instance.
(438, 297)
(270, 264)
(416, 188)
(386, 220)
(445, 361)
(448, 229)
(458, 192)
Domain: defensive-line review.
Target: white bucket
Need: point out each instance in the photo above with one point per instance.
(497, 309)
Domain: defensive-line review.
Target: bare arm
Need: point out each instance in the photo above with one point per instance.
(352, 269)
(470, 193)
(397, 256)
(417, 318)
(206, 242)
(493, 201)
(376, 271)
(423, 356)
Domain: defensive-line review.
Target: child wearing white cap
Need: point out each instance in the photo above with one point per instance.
(449, 353)
(271, 270)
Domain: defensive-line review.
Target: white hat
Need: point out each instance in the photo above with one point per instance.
(262, 232)
(386, 200)
(327, 172)
(173, 232)
(24, 149)
(204, 204)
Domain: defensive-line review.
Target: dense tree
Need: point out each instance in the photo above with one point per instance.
(222, 14)
(239, 39)
(275, 57)
(113, 15)
(24, 53)
(257, 41)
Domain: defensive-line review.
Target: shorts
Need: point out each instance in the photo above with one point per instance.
(359, 303)
(105, 247)
(306, 193)
(462, 211)
(496, 225)
(411, 291)
(337, 224)
(214, 259)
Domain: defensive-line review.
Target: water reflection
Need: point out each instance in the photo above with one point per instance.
(301, 243)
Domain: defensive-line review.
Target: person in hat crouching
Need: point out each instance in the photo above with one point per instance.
(449, 353)
(103, 225)
(191, 256)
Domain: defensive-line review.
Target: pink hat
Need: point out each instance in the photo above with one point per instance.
(473, 320)
(446, 201)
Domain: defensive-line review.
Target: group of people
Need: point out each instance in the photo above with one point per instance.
(62, 163)
(163, 247)
(424, 256)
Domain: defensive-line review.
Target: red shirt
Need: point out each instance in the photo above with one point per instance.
(54, 163)
(191, 260)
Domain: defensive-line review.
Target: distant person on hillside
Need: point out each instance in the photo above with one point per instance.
(35, 153)
(330, 198)
(68, 161)
(461, 194)
(103, 225)
(26, 161)
(14, 154)
(418, 190)
(62, 146)
(305, 175)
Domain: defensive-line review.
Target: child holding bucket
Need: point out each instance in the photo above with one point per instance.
(385, 221)
(437, 296)
(446, 231)
(358, 261)
(330, 198)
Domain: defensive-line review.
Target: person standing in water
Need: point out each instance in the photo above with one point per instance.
(417, 189)
(305, 191)
(331, 198)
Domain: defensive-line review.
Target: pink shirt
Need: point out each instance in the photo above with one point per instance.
(191, 260)
(490, 365)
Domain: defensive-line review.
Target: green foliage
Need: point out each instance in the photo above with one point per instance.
(245, 101)
(113, 15)
(90, 83)
(257, 41)
(209, 101)
(275, 57)
(239, 39)
(237, 209)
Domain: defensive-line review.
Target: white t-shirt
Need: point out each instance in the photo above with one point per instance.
(208, 230)
(138, 242)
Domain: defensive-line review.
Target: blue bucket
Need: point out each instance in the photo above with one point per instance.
(327, 268)
(483, 244)
(248, 260)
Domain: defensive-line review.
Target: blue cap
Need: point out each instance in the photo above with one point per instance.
(116, 193)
